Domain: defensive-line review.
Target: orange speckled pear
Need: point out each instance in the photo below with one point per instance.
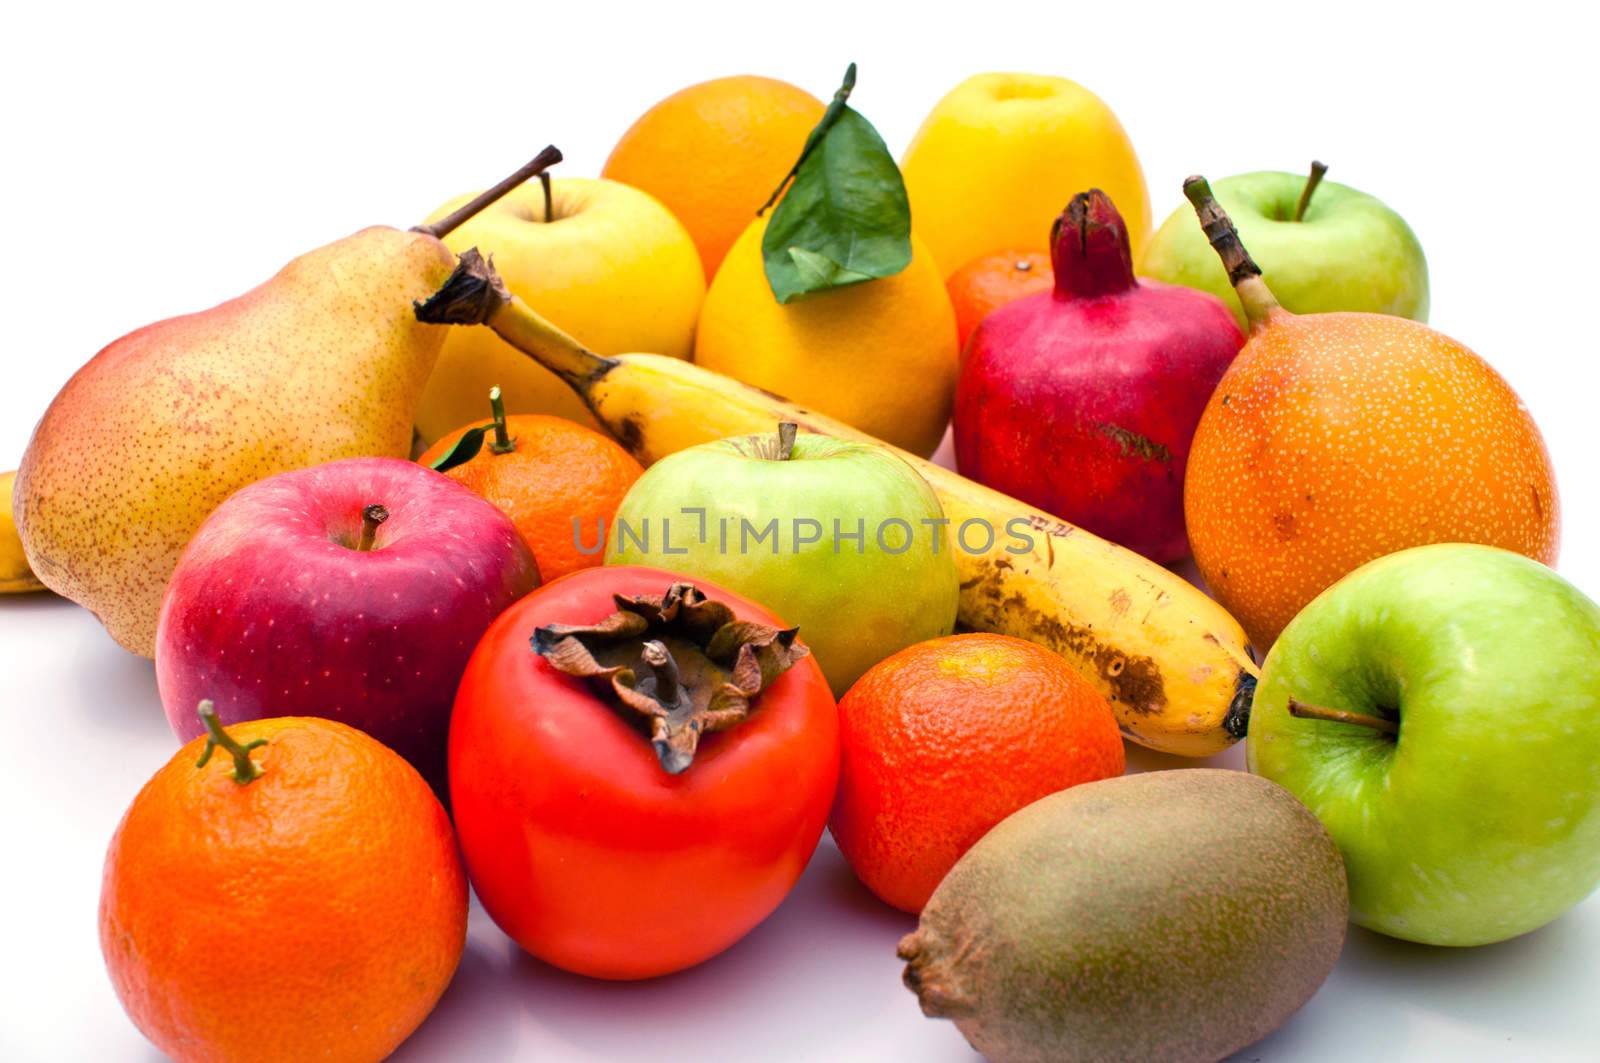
(323, 361)
(1338, 438)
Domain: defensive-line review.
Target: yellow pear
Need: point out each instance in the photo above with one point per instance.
(324, 361)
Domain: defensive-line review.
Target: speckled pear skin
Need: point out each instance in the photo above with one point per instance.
(324, 361)
(1174, 915)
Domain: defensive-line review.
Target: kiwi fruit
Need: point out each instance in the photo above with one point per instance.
(1174, 915)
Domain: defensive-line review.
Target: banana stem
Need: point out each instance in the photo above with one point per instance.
(475, 295)
(458, 217)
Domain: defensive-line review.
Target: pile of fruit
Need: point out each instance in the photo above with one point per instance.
(446, 587)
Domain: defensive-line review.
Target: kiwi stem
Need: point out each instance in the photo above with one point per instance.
(1243, 273)
(1301, 711)
(371, 517)
(503, 443)
(836, 107)
(1317, 170)
(458, 217)
(244, 769)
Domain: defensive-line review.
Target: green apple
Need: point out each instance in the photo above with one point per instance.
(1478, 817)
(1344, 251)
(841, 539)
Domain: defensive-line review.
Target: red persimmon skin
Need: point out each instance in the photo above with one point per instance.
(581, 847)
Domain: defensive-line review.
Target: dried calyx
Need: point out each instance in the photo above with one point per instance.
(680, 665)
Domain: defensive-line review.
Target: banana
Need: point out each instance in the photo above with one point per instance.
(1174, 665)
(15, 575)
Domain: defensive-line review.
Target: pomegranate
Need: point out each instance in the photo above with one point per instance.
(1083, 400)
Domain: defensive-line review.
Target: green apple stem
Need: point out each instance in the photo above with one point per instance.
(371, 517)
(544, 183)
(836, 107)
(1300, 710)
(1317, 170)
(503, 443)
(244, 769)
(458, 217)
(1245, 276)
(786, 433)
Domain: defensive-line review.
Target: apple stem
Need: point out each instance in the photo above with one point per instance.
(786, 433)
(371, 517)
(1317, 170)
(458, 217)
(1243, 273)
(1300, 710)
(836, 107)
(503, 443)
(244, 769)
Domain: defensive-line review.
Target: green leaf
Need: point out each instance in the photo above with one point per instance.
(845, 218)
(465, 450)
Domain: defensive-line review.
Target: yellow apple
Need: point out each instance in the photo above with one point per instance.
(998, 158)
(611, 266)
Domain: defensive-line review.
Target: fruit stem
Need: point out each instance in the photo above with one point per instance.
(1089, 248)
(503, 443)
(475, 295)
(456, 218)
(665, 670)
(1243, 273)
(549, 209)
(786, 433)
(1301, 711)
(371, 517)
(244, 769)
(1317, 170)
(836, 107)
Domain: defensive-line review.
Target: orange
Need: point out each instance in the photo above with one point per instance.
(714, 152)
(556, 473)
(991, 281)
(1335, 439)
(315, 911)
(945, 739)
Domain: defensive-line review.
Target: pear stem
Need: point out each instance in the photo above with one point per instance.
(244, 769)
(371, 517)
(503, 443)
(1317, 170)
(836, 107)
(1301, 711)
(1243, 273)
(458, 217)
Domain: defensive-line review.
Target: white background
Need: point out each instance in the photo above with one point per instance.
(159, 161)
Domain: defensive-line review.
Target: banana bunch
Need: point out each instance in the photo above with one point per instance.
(15, 575)
(1174, 665)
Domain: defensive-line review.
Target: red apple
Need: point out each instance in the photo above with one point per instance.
(1083, 400)
(355, 590)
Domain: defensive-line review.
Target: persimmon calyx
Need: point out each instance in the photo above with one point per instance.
(680, 665)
